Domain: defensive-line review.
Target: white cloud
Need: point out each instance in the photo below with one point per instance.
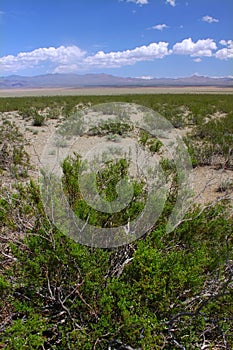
(171, 2)
(223, 42)
(197, 59)
(209, 19)
(202, 47)
(128, 57)
(138, 2)
(66, 68)
(160, 26)
(57, 56)
(146, 77)
(226, 52)
(226, 42)
(72, 58)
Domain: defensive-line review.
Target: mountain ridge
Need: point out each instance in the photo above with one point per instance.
(71, 80)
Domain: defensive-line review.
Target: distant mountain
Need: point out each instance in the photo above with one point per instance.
(100, 80)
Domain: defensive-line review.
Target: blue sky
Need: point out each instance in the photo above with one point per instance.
(136, 38)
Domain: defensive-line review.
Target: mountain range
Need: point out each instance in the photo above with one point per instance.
(105, 80)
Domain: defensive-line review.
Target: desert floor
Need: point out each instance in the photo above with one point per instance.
(115, 91)
(204, 180)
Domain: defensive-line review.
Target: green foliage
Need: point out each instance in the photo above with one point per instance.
(143, 137)
(38, 119)
(151, 143)
(4, 286)
(196, 106)
(14, 160)
(106, 181)
(111, 127)
(211, 142)
(26, 333)
(164, 291)
(67, 295)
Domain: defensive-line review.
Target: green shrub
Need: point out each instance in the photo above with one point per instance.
(14, 160)
(150, 142)
(163, 291)
(38, 119)
(106, 179)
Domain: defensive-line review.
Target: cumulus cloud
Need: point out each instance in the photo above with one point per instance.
(209, 19)
(226, 52)
(202, 47)
(72, 58)
(57, 56)
(225, 42)
(128, 57)
(160, 26)
(171, 2)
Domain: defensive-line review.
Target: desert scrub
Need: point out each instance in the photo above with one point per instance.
(111, 127)
(198, 105)
(38, 119)
(54, 112)
(163, 291)
(14, 160)
(106, 180)
(165, 287)
(225, 185)
(212, 140)
(152, 143)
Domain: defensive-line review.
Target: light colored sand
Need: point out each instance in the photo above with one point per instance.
(205, 180)
(115, 91)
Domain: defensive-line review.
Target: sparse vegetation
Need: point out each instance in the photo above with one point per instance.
(225, 185)
(152, 143)
(164, 291)
(111, 127)
(14, 160)
(38, 119)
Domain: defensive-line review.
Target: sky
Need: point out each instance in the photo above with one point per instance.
(128, 38)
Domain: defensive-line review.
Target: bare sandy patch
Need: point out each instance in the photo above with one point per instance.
(212, 185)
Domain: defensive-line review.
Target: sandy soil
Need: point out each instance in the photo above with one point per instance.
(115, 91)
(205, 180)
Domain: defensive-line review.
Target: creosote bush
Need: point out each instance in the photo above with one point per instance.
(38, 119)
(163, 291)
(14, 160)
(106, 179)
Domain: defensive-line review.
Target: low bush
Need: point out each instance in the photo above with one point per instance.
(14, 160)
(163, 291)
(38, 119)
